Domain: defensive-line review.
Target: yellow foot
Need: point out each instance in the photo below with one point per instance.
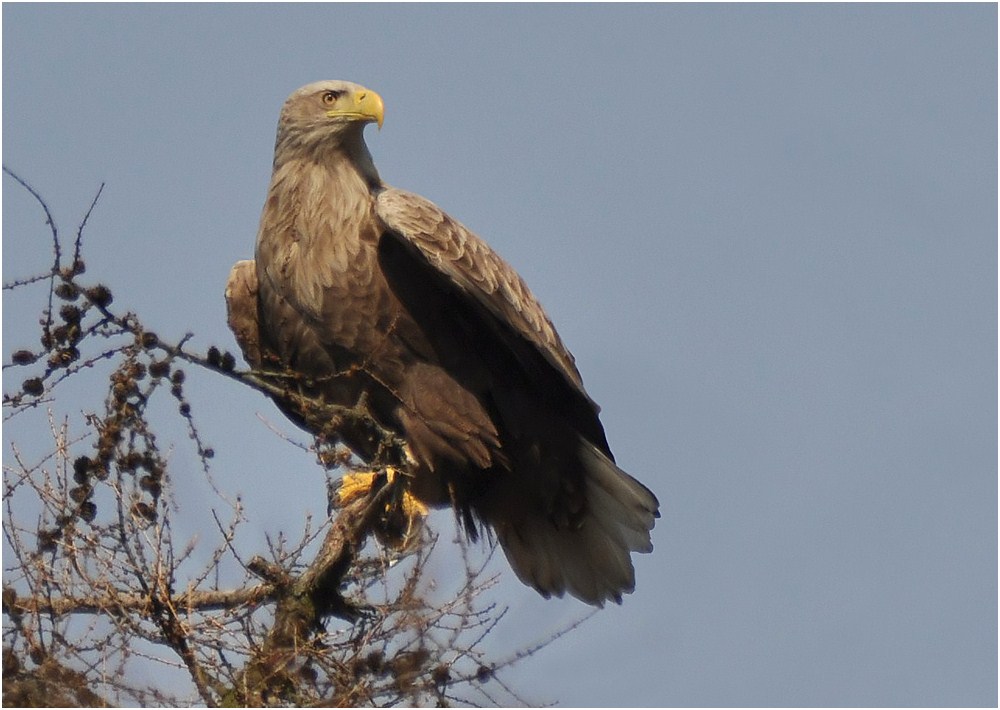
(403, 514)
(354, 486)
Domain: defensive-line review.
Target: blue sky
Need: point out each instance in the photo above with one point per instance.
(767, 232)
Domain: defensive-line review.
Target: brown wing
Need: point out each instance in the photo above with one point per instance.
(241, 307)
(476, 270)
(427, 249)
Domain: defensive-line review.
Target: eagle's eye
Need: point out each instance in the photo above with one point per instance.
(330, 97)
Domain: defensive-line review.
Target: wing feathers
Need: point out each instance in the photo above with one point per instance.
(440, 256)
(475, 268)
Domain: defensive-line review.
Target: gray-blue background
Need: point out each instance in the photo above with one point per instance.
(768, 233)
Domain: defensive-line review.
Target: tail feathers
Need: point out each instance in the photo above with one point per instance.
(593, 561)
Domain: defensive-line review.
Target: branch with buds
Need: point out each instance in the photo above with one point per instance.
(97, 583)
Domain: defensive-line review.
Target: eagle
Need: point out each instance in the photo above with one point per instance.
(373, 298)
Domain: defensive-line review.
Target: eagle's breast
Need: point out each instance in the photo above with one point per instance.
(318, 243)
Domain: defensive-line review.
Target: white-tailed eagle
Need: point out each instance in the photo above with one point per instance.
(378, 299)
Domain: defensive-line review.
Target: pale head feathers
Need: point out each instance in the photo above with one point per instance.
(324, 121)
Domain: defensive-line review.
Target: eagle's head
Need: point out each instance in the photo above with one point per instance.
(328, 114)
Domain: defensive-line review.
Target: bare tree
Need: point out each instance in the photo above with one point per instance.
(105, 604)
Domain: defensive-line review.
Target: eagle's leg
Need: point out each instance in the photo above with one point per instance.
(403, 515)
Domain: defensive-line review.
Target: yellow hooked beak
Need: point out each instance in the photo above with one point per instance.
(360, 105)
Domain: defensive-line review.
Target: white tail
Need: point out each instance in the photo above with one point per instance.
(593, 561)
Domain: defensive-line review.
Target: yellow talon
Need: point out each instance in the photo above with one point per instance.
(403, 515)
(354, 486)
(411, 506)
